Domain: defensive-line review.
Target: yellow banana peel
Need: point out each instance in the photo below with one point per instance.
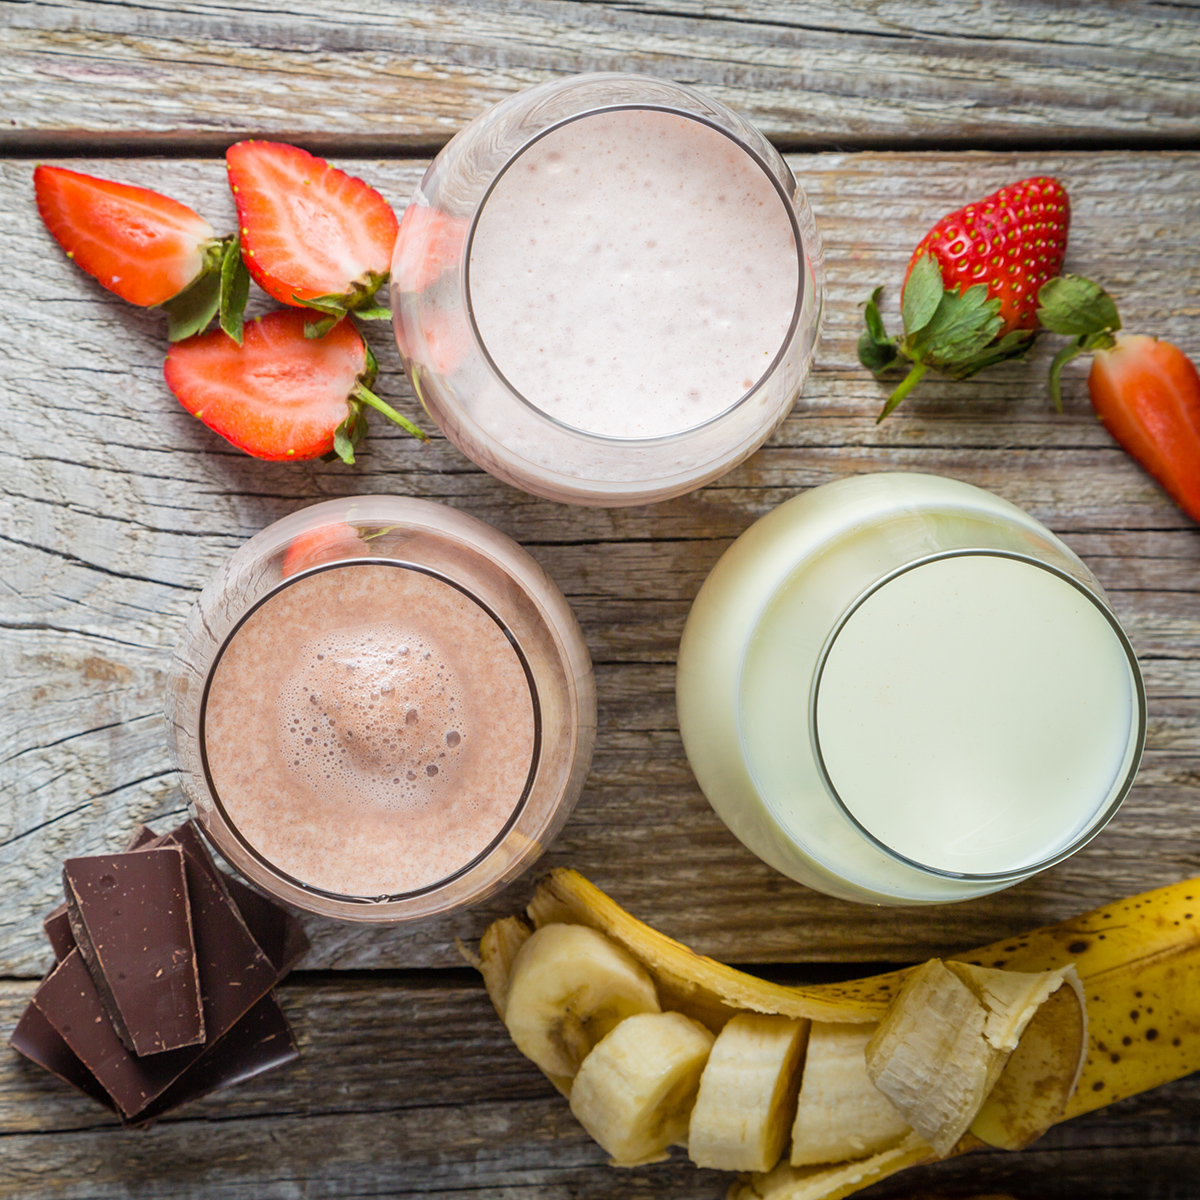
(1134, 1007)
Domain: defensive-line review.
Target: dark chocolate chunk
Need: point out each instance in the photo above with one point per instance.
(276, 930)
(68, 999)
(58, 922)
(58, 929)
(260, 1041)
(279, 934)
(40, 1042)
(132, 923)
(143, 835)
(234, 972)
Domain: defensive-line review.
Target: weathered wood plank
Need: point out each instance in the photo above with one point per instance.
(411, 1089)
(381, 75)
(118, 506)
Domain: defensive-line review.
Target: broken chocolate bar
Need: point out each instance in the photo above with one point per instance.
(58, 929)
(68, 999)
(260, 1041)
(278, 933)
(244, 943)
(131, 920)
(40, 1042)
(234, 972)
(57, 924)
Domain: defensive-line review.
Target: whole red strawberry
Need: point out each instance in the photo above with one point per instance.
(281, 395)
(1013, 240)
(970, 293)
(312, 236)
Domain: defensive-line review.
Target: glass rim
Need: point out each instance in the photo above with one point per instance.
(1138, 741)
(346, 897)
(788, 207)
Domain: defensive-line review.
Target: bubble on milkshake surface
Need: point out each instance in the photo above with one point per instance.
(381, 715)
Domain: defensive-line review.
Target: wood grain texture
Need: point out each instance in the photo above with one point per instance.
(415, 1089)
(393, 75)
(118, 506)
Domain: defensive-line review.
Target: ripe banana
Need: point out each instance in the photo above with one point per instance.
(635, 1091)
(1138, 965)
(747, 1094)
(568, 987)
(841, 1114)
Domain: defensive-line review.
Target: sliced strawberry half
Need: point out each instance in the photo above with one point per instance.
(325, 544)
(429, 241)
(145, 247)
(281, 395)
(312, 236)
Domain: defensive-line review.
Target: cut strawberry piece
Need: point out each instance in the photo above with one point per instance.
(311, 234)
(1147, 393)
(429, 241)
(147, 248)
(325, 544)
(141, 245)
(280, 395)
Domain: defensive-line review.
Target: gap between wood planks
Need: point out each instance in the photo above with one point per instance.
(465, 977)
(36, 144)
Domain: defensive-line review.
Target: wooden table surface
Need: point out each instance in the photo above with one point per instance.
(118, 507)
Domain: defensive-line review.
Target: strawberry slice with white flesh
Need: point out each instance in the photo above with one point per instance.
(281, 396)
(312, 236)
(145, 247)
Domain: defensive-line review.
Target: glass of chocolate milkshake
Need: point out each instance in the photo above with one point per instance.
(381, 709)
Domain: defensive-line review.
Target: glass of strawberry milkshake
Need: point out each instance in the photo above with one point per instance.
(608, 289)
(381, 709)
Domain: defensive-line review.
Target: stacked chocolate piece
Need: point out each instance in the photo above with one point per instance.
(162, 988)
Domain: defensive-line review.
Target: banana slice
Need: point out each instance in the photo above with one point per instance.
(930, 1057)
(634, 1092)
(568, 987)
(747, 1094)
(841, 1114)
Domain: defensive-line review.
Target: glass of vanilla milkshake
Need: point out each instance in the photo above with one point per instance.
(381, 710)
(608, 289)
(902, 689)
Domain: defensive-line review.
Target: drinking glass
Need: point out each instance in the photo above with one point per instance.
(468, 567)
(903, 689)
(453, 369)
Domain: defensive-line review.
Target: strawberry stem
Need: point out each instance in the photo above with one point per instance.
(1064, 356)
(907, 384)
(368, 397)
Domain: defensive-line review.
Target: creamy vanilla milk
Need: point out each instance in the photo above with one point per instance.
(633, 273)
(974, 713)
(900, 688)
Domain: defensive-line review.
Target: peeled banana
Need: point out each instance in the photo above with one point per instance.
(635, 1091)
(841, 1114)
(1015, 1011)
(567, 988)
(748, 1093)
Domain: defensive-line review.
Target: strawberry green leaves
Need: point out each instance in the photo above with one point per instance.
(222, 287)
(1078, 309)
(948, 330)
(235, 289)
